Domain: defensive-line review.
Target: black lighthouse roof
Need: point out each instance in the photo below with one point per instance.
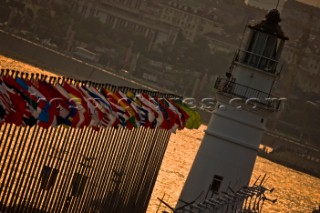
(271, 25)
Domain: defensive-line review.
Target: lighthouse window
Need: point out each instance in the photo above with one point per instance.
(262, 51)
(216, 183)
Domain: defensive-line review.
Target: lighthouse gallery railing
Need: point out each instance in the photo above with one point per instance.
(248, 93)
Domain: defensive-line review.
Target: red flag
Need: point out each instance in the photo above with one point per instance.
(94, 108)
(18, 106)
(110, 118)
(82, 106)
(122, 114)
(128, 105)
(183, 115)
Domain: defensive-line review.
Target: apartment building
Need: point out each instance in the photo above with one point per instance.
(160, 21)
(191, 17)
(303, 63)
(302, 53)
(137, 15)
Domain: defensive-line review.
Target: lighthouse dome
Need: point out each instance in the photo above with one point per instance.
(273, 16)
(271, 25)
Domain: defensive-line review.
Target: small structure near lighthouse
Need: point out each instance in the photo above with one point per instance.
(228, 151)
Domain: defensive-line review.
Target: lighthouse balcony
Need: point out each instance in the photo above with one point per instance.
(247, 94)
(259, 61)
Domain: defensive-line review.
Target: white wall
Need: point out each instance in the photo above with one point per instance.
(255, 79)
(228, 149)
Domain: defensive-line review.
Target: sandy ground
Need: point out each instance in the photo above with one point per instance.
(8, 63)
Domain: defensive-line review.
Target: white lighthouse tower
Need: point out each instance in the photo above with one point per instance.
(229, 148)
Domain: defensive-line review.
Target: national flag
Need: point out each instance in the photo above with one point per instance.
(144, 112)
(130, 106)
(17, 108)
(5, 104)
(59, 106)
(75, 118)
(95, 108)
(123, 115)
(5, 101)
(171, 118)
(80, 102)
(46, 109)
(176, 102)
(2, 113)
(109, 118)
(45, 113)
(194, 119)
(155, 114)
(29, 114)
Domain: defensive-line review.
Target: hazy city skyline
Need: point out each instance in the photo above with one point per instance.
(315, 3)
(268, 5)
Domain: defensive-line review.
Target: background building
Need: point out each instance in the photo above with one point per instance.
(192, 18)
(266, 4)
(138, 16)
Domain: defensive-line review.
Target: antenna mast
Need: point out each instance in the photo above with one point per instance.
(277, 4)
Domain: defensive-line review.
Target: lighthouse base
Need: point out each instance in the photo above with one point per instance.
(226, 156)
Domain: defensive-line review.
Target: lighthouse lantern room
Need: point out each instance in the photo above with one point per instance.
(229, 148)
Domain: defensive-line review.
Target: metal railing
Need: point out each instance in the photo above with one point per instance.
(246, 199)
(250, 95)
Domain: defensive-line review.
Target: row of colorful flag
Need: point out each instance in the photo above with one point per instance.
(26, 102)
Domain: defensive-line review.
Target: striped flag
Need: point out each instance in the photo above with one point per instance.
(155, 114)
(28, 102)
(171, 118)
(82, 105)
(122, 114)
(110, 118)
(95, 108)
(58, 104)
(183, 115)
(29, 113)
(37, 104)
(5, 103)
(144, 112)
(130, 106)
(2, 113)
(76, 118)
(17, 108)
